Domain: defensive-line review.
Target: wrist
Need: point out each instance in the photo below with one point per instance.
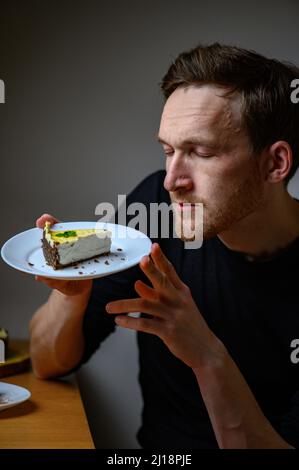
(77, 302)
(214, 356)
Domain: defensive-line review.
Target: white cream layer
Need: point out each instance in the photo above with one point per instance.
(83, 248)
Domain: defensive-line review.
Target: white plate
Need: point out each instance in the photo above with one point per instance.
(24, 252)
(11, 395)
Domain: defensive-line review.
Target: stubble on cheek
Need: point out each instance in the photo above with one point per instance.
(232, 203)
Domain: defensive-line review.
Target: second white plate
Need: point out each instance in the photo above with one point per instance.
(11, 395)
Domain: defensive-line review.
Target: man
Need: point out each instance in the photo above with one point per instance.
(217, 324)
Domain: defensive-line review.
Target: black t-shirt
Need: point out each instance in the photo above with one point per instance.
(251, 306)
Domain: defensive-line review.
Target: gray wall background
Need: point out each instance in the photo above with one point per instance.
(82, 108)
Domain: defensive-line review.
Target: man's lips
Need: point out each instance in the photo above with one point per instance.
(185, 206)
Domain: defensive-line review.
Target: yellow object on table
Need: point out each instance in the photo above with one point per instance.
(17, 358)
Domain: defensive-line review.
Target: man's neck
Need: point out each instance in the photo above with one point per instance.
(268, 230)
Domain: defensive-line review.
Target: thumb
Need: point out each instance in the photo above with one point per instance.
(40, 222)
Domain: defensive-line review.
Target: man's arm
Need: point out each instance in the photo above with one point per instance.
(236, 417)
(237, 420)
(56, 336)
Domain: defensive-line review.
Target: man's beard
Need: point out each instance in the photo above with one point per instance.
(243, 199)
(188, 225)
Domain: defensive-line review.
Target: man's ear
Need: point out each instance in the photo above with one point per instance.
(279, 161)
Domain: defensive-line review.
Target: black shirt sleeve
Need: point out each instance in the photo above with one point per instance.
(97, 323)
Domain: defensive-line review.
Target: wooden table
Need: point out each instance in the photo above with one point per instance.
(53, 418)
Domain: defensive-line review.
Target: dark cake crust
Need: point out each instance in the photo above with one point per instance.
(52, 256)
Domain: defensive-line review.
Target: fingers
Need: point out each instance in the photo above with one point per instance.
(66, 287)
(134, 305)
(157, 278)
(40, 222)
(53, 283)
(164, 265)
(145, 291)
(146, 325)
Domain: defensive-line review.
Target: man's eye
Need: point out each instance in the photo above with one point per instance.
(169, 153)
(201, 155)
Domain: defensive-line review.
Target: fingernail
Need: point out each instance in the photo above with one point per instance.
(156, 247)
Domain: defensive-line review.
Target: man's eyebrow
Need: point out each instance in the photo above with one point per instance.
(191, 141)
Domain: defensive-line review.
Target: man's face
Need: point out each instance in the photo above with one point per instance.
(208, 160)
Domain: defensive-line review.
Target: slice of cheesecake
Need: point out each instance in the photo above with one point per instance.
(66, 248)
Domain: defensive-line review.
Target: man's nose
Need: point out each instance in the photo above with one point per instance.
(177, 176)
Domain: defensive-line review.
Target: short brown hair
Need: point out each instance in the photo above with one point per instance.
(264, 85)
